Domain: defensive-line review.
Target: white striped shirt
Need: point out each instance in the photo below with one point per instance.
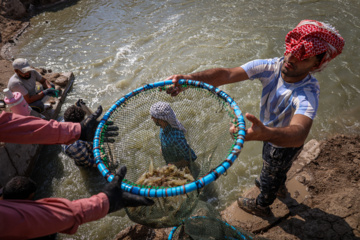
(281, 100)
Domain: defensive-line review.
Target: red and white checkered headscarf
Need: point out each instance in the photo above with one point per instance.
(310, 38)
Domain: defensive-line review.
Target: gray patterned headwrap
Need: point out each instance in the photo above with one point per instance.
(163, 111)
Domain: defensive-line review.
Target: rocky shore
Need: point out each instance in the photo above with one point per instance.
(324, 182)
(20, 159)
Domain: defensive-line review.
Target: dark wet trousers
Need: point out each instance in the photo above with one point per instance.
(277, 162)
(37, 106)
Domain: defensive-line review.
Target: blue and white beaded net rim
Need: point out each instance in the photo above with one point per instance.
(188, 187)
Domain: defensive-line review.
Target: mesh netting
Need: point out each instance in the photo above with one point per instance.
(166, 212)
(206, 223)
(205, 112)
(206, 228)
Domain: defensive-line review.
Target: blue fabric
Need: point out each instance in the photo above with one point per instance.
(174, 146)
(281, 100)
(81, 152)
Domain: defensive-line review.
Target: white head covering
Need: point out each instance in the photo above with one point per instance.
(22, 64)
(163, 111)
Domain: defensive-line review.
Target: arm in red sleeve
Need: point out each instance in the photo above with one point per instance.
(49, 215)
(15, 128)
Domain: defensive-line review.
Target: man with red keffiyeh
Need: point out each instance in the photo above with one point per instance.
(289, 103)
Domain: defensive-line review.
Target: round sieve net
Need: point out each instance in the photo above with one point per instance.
(152, 170)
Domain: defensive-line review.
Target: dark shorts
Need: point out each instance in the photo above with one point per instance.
(277, 162)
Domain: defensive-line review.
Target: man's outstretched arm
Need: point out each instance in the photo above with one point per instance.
(293, 135)
(15, 128)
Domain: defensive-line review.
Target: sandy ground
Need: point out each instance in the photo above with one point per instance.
(8, 30)
(324, 187)
(323, 195)
(6, 71)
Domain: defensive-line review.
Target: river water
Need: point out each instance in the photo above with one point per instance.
(115, 46)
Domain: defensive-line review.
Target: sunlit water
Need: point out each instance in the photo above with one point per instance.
(113, 47)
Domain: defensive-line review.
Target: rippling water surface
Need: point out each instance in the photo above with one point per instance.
(113, 47)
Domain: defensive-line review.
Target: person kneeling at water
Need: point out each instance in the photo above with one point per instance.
(80, 151)
(24, 81)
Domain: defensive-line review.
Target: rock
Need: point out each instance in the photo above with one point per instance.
(62, 81)
(13, 162)
(310, 152)
(57, 78)
(42, 71)
(301, 179)
(52, 76)
(12, 8)
(7, 169)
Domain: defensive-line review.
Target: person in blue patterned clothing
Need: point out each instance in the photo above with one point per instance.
(289, 102)
(80, 151)
(174, 146)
